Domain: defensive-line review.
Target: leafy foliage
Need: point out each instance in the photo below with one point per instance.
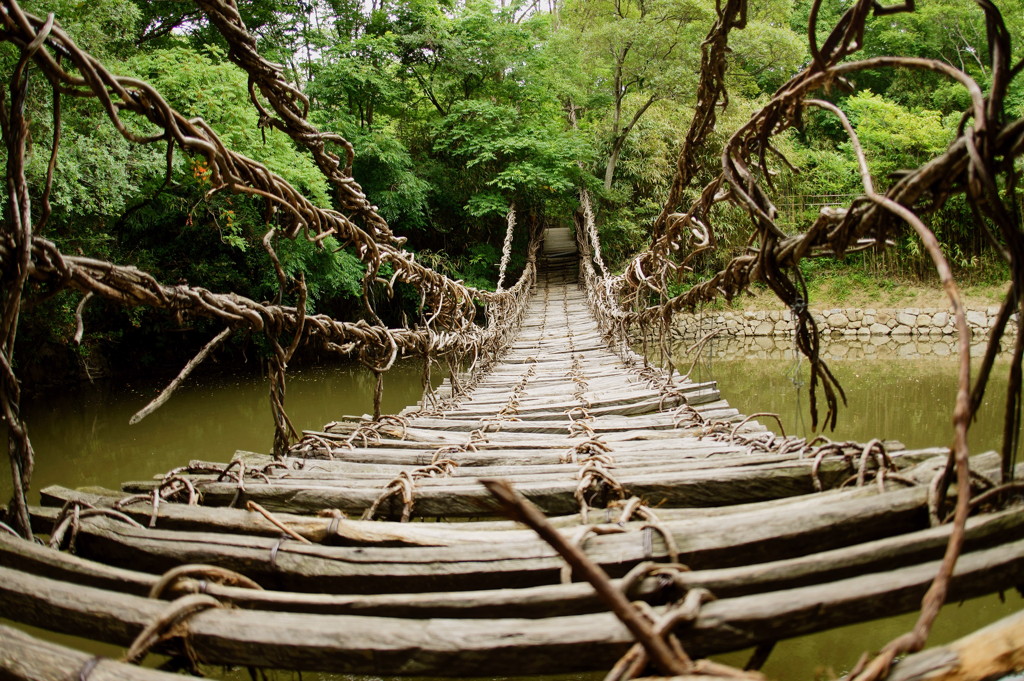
(458, 110)
(895, 137)
(204, 83)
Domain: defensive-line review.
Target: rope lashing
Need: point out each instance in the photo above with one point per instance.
(683, 611)
(171, 622)
(667, 574)
(585, 532)
(89, 666)
(594, 472)
(276, 549)
(201, 575)
(506, 249)
(165, 491)
(71, 516)
(582, 426)
(403, 485)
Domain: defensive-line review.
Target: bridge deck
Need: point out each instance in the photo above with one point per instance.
(577, 430)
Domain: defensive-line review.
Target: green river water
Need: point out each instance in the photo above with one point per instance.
(894, 391)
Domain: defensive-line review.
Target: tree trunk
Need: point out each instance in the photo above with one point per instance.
(613, 160)
(620, 140)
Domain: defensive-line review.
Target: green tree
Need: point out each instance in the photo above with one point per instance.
(636, 53)
(768, 52)
(473, 123)
(896, 137)
(946, 30)
(203, 83)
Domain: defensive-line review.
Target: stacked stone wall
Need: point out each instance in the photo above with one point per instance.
(861, 322)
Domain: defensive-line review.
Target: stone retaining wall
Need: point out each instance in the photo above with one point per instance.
(833, 348)
(864, 322)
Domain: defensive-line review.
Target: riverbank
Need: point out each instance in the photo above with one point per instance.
(840, 321)
(859, 290)
(870, 311)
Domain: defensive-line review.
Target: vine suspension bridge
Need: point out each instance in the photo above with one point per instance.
(651, 524)
(657, 481)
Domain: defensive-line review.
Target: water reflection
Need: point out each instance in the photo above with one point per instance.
(896, 388)
(835, 347)
(82, 436)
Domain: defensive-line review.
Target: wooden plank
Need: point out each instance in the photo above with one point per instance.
(460, 497)
(600, 405)
(625, 467)
(989, 653)
(27, 658)
(377, 532)
(454, 647)
(540, 601)
(736, 539)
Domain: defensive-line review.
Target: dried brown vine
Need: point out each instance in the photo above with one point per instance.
(448, 326)
(978, 164)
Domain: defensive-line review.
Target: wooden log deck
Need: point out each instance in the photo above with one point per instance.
(640, 471)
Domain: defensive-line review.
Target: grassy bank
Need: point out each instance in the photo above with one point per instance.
(856, 288)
